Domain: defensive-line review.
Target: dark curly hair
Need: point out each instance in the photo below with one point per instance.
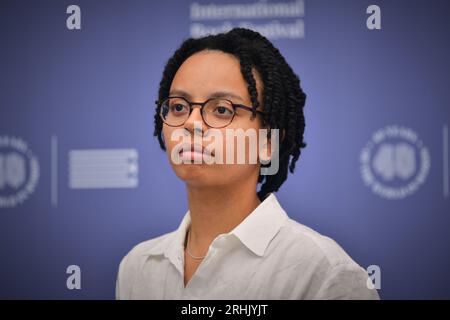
(283, 97)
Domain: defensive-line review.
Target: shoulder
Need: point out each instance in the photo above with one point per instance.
(312, 244)
(131, 263)
(153, 246)
(331, 272)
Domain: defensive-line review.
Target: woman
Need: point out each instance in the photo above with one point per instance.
(235, 242)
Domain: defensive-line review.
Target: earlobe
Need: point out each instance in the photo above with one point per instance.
(265, 148)
(265, 152)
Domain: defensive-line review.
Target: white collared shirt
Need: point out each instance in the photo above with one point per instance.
(267, 256)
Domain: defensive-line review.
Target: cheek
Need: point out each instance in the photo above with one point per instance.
(168, 133)
(242, 143)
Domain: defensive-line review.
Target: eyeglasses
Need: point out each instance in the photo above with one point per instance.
(216, 112)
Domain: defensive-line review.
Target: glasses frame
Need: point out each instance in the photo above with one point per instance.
(202, 105)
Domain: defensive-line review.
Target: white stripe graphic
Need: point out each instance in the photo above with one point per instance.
(103, 168)
(445, 161)
(54, 170)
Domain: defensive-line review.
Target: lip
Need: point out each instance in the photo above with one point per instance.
(196, 148)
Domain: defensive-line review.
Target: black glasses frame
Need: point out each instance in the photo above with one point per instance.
(235, 106)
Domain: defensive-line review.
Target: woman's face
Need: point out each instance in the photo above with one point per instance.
(200, 76)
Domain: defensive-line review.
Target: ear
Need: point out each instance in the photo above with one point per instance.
(267, 148)
(265, 151)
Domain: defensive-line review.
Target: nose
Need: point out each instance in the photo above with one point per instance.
(195, 122)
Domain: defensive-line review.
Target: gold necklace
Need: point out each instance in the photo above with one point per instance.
(187, 249)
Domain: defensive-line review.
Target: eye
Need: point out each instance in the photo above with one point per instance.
(223, 111)
(178, 108)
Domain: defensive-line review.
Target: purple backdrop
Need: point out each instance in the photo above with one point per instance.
(93, 88)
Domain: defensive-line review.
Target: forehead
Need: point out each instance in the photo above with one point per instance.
(210, 71)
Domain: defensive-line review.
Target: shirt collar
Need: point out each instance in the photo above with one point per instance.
(260, 227)
(255, 231)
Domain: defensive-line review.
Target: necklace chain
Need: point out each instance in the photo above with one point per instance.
(187, 248)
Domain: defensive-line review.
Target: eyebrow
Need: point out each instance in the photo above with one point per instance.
(217, 94)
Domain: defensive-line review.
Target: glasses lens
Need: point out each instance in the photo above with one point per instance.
(218, 113)
(174, 111)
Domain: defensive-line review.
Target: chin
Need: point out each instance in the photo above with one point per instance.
(198, 174)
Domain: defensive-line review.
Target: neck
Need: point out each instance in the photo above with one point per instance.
(217, 210)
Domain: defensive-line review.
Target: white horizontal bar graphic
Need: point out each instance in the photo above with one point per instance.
(103, 168)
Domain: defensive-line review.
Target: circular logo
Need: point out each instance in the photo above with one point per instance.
(19, 171)
(394, 162)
